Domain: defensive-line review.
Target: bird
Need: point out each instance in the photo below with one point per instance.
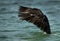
(35, 16)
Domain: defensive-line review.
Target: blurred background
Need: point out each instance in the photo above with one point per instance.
(14, 29)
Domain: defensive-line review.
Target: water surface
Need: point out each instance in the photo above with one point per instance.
(14, 29)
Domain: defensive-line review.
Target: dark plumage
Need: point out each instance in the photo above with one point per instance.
(36, 17)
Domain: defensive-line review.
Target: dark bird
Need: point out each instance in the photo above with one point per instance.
(36, 17)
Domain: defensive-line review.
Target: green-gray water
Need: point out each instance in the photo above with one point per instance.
(14, 29)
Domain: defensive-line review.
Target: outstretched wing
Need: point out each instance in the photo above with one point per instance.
(36, 17)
